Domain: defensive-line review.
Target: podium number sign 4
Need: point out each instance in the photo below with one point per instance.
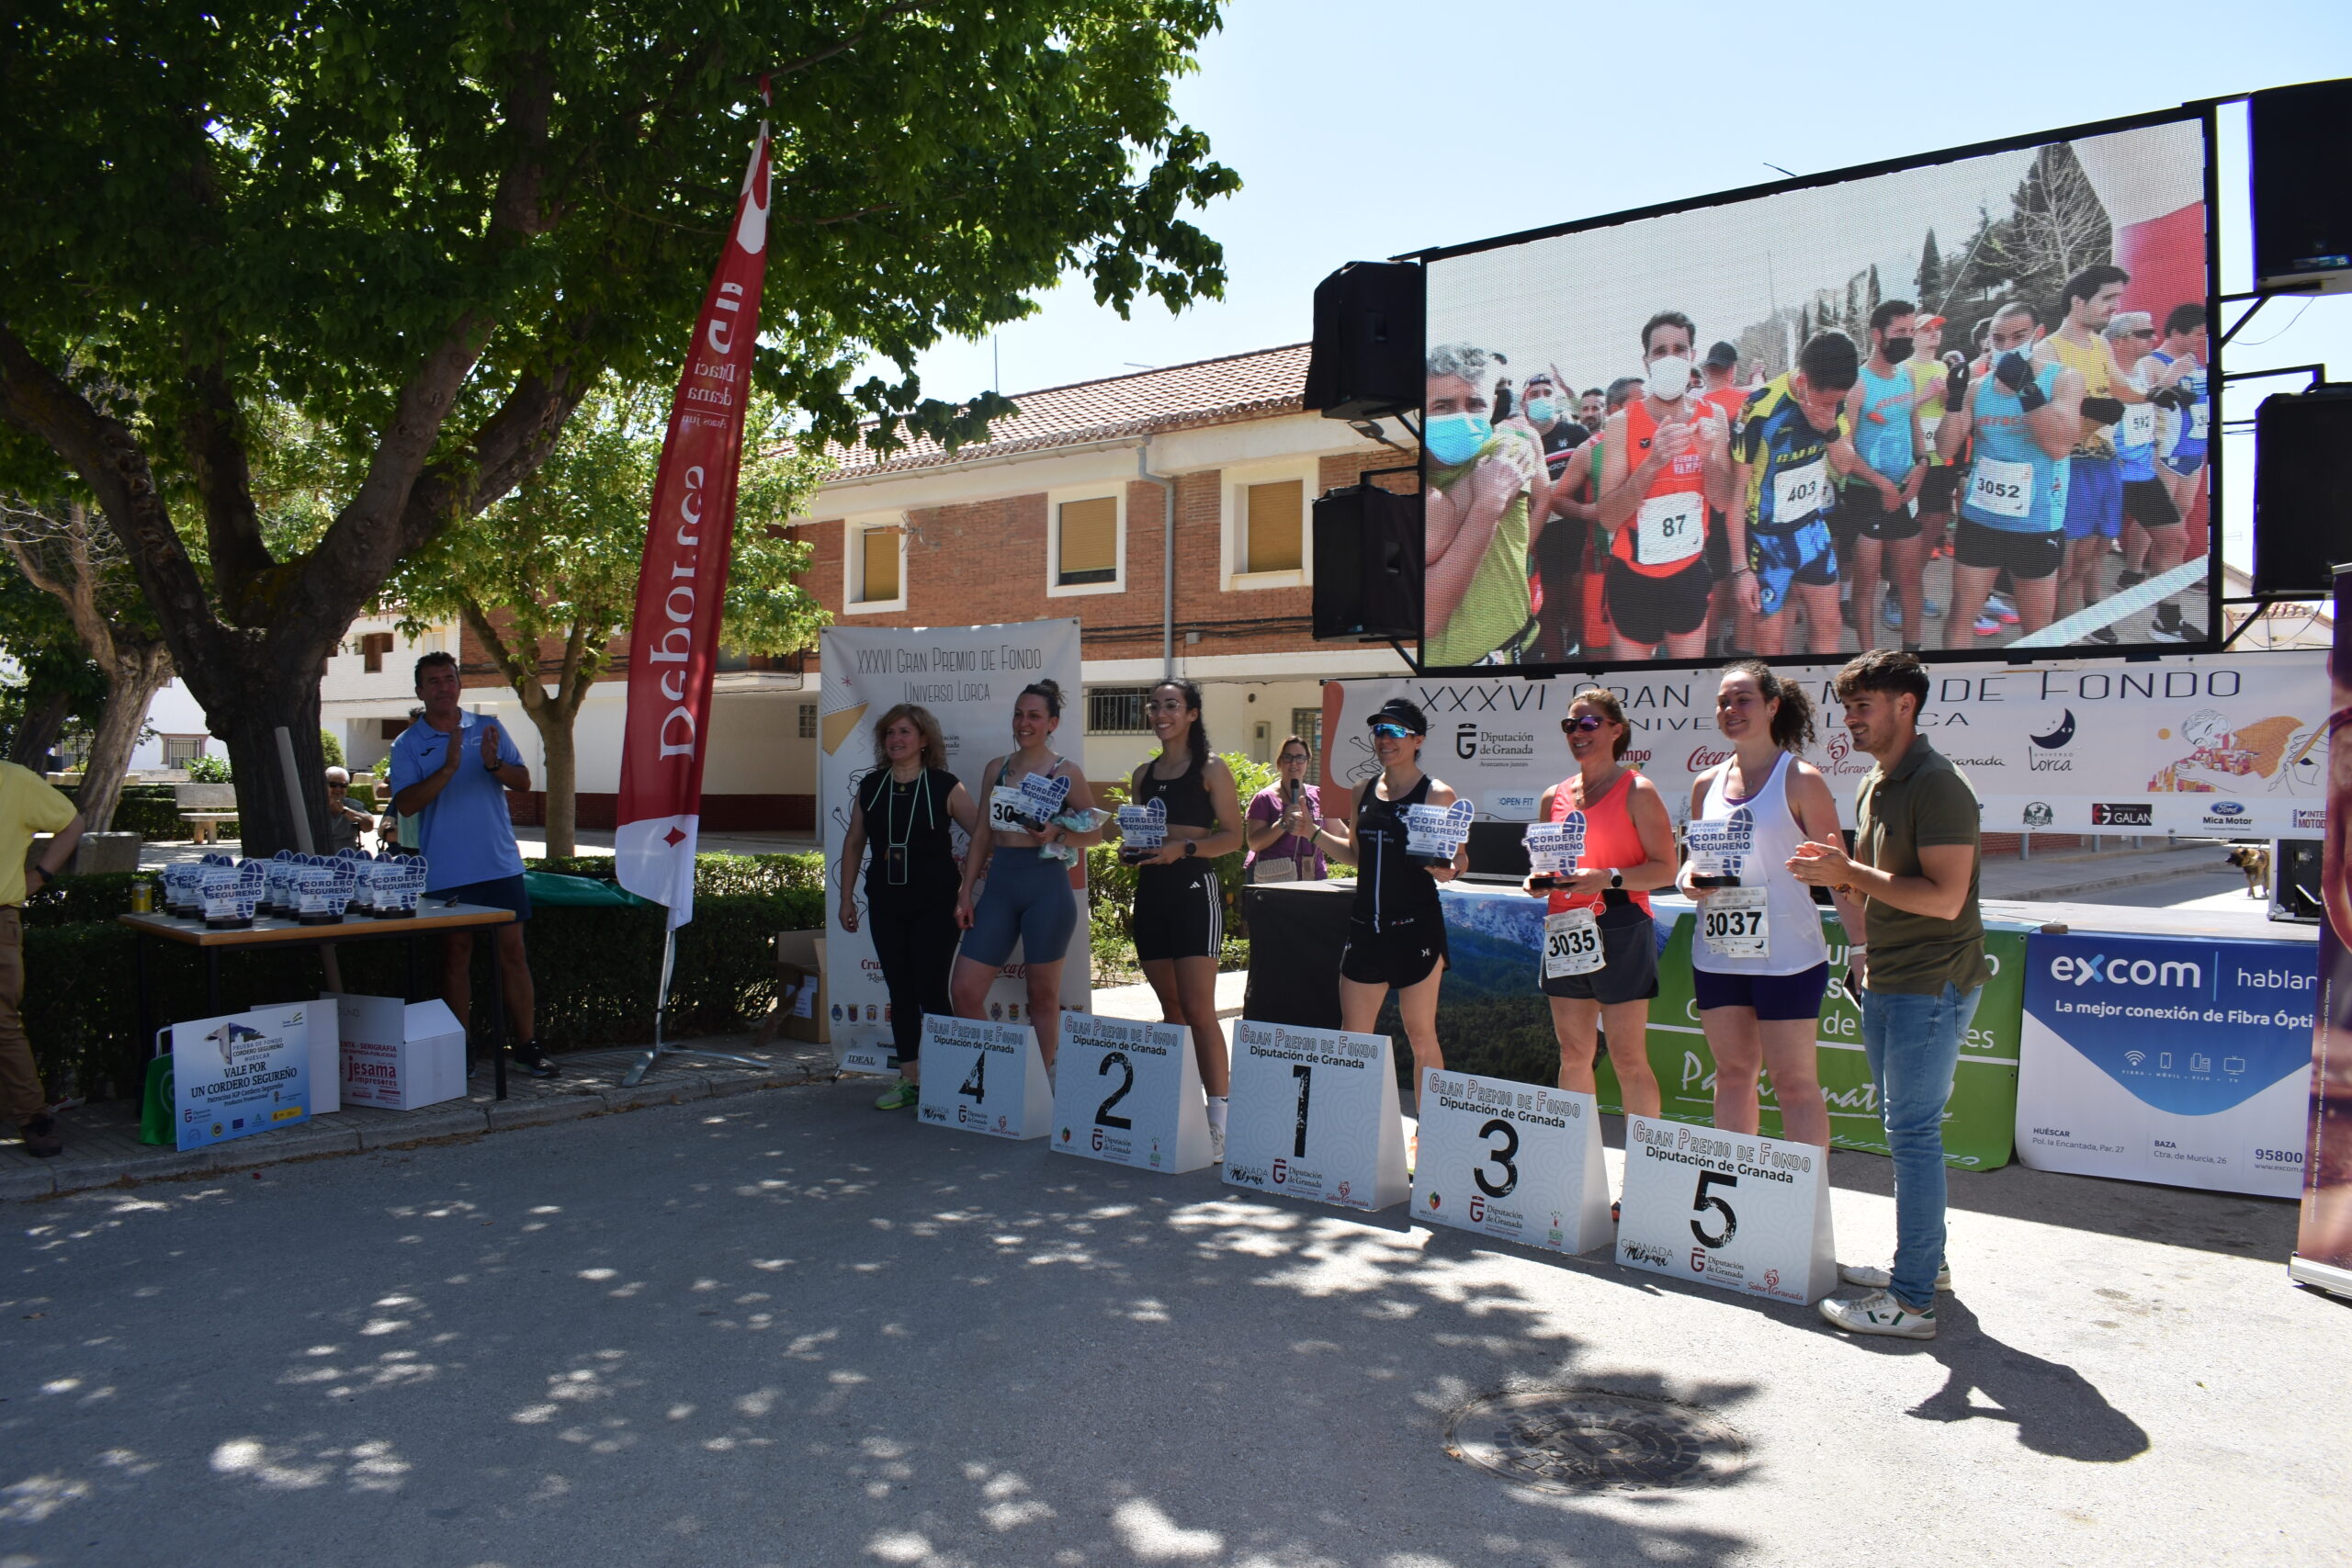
(1732, 1210)
(1519, 1162)
(1129, 1092)
(1314, 1114)
(984, 1077)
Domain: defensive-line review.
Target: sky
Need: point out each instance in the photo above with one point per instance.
(1376, 127)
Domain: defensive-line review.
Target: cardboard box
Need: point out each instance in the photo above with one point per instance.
(399, 1055)
(800, 986)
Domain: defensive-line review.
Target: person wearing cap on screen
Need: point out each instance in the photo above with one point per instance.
(2151, 525)
(1487, 495)
(1875, 500)
(1719, 384)
(1790, 442)
(1927, 372)
(1666, 465)
(1396, 930)
(2183, 419)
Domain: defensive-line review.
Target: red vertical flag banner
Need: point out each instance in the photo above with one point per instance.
(674, 641)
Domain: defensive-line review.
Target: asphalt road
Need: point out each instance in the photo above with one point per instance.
(783, 1329)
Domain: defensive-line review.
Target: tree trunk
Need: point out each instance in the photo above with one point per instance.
(246, 698)
(563, 780)
(45, 716)
(137, 673)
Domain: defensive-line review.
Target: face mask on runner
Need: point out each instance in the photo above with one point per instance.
(1896, 349)
(1541, 410)
(1669, 378)
(1455, 438)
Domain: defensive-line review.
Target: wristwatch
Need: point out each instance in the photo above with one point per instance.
(1191, 848)
(1616, 877)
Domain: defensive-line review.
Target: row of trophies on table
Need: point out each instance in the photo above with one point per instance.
(311, 890)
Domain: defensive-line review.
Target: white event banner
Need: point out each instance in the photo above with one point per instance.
(984, 1077)
(1128, 1092)
(1518, 1162)
(1314, 1114)
(2234, 745)
(1731, 1209)
(966, 678)
(242, 1073)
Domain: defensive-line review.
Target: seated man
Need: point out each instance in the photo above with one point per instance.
(346, 822)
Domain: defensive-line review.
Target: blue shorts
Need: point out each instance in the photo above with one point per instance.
(1805, 554)
(1774, 997)
(1027, 900)
(2184, 459)
(2094, 498)
(498, 892)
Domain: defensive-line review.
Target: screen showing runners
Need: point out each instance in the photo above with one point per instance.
(1964, 403)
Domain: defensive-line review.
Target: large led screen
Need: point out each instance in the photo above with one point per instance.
(1963, 404)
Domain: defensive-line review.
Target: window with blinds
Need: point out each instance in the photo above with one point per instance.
(1273, 526)
(878, 566)
(1308, 725)
(1089, 541)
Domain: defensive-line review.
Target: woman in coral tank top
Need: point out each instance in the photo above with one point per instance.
(1598, 959)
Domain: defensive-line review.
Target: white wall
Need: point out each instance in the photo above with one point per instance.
(172, 711)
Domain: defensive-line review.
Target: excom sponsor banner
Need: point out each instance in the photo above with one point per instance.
(2234, 745)
(2157, 1059)
(966, 677)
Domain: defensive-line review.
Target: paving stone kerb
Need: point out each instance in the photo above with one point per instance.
(102, 1151)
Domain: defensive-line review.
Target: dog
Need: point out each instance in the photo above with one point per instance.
(2254, 860)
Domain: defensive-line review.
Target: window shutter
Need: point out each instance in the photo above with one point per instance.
(879, 565)
(1273, 523)
(1090, 541)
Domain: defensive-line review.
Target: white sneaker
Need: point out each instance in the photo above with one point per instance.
(1216, 1146)
(1879, 1312)
(1871, 1279)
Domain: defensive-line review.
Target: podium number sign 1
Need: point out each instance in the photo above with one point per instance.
(1314, 1114)
(1519, 1162)
(984, 1077)
(1732, 1210)
(1129, 1092)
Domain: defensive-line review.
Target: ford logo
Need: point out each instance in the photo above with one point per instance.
(2227, 808)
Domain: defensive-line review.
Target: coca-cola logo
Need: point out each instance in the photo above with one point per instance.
(1702, 758)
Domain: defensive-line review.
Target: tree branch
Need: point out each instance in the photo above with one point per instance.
(885, 14)
(215, 458)
(533, 695)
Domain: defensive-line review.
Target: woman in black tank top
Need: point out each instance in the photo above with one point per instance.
(1179, 923)
(1396, 930)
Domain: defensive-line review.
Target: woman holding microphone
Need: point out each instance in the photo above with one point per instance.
(1281, 821)
(1028, 899)
(1628, 851)
(1762, 968)
(904, 807)
(1179, 904)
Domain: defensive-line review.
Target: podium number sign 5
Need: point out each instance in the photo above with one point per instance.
(984, 1077)
(1728, 1209)
(1519, 1162)
(1129, 1092)
(1314, 1114)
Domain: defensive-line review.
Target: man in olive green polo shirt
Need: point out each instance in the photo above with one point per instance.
(27, 806)
(1914, 864)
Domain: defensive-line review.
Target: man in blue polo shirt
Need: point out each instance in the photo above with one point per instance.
(451, 771)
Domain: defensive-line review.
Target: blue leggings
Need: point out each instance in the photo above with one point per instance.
(1027, 899)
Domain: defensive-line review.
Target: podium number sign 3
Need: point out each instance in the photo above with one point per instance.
(1129, 1092)
(1519, 1162)
(1728, 1209)
(984, 1077)
(1314, 1114)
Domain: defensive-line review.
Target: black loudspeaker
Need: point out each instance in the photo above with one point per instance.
(2302, 185)
(2303, 492)
(1367, 564)
(1366, 359)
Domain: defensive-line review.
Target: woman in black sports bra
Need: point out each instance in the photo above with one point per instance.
(1396, 932)
(1179, 921)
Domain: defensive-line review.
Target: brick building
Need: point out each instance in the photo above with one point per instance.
(1167, 510)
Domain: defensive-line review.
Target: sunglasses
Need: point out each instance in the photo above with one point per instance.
(1584, 726)
(1391, 731)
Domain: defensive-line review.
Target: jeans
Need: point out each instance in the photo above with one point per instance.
(1913, 1043)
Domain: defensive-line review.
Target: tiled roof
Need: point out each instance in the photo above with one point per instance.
(1208, 391)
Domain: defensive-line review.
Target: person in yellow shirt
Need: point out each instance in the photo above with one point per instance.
(27, 806)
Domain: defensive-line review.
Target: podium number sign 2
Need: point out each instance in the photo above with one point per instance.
(1519, 1162)
(1314, 1114)
(984, 1077)
(1129, 1092)
(1732, 1210)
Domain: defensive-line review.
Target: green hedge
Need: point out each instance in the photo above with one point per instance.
(595, 969)
(150, 811)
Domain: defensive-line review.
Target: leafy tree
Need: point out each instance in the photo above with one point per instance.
(547, 576)
(1930, 276)
(52, 688)
(331, 748)
(69, 553)
(428, 230)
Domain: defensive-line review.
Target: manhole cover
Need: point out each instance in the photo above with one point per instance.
(1585, 1439)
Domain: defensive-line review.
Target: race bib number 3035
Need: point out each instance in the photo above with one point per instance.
(1571, 945)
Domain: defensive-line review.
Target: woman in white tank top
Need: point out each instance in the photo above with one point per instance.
(1759, 963)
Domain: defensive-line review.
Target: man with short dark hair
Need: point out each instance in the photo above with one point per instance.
(1666, 468)
(2094, 511)
(451, 771)
(1921, 965)
(1790, 440)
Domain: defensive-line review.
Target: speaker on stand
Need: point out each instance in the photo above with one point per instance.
(2303, 187)
(2303, 492)
(1367, 564)
(1366, 357)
